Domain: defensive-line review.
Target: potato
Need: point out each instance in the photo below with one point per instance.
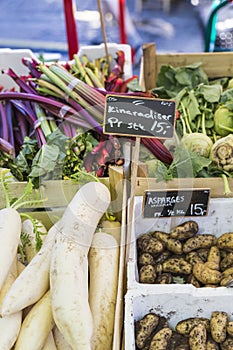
(230, 328)
(164, 278)
(192, 280)
(199, 241)
(226, 280)
(198, 337)
(214, 257)
(184, 231)
(152, 245)
(218, 326)
(227, 344)
(203, 253)
(160, 339)
(144, 328)
(145, 259)
(193, 258)
(162, 257)
(140, 240)
(227, 272)
(178, 342)
(177, 265)
(226, 261)
(205, 275)
(147, 274)
(225, 241)
(212, 345)
(185, 326)
(174, 245)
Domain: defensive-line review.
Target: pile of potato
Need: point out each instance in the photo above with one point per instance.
(185, 256)
(153, 332)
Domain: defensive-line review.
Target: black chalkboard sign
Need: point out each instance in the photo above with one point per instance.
(180, 202)
(139, 116)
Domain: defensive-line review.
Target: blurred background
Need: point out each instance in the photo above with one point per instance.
(173, 25)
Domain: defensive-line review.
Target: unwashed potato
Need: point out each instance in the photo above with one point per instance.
(204, 274)
(151, 245)
(225, 241)
(172, 244)
(218, 326)
(230, 328)
(226, 261)
(227, 344)
(178, 342)
(198, 337)
(186, 230)
(144, 328)
(212, 345)
(214, 257)
(145, 259)
(185, 326)
(177, 265)
(199, 241)
(147, 274)
(160, 339)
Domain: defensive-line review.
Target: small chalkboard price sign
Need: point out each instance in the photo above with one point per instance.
(139, 116)
(180, 202)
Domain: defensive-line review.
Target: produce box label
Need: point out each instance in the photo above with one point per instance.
(180, 202)
(139, 116)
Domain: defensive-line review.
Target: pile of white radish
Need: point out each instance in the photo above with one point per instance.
(65, 296)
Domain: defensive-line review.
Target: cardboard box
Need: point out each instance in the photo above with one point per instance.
(176, 306)
(98, 51)
(218, 220)
(10, 58)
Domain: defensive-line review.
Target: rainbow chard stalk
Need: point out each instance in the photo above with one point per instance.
(24, 87)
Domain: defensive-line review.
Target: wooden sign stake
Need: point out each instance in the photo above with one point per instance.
(103, 32)
(134, 171)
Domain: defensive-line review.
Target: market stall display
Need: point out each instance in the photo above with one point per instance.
(60, 109)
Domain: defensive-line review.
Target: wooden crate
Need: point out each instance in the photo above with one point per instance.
(58, 194)
(216, 65)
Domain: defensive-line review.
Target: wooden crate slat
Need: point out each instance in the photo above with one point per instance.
(216, 65)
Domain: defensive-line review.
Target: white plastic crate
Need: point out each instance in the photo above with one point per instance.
(10, 58)
(174, 306)
(98, 51)
(218, 221)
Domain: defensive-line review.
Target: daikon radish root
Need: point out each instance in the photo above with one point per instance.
(30, 228)
(36, 326)
(9, 325)
(103, 265)
(50, 343)
(112, 227)
(60, 341)
(10, 230)
(20, 267)
(33, 281)
(69, 264)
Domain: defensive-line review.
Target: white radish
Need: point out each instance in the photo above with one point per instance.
(9, 325)
(50, 343)
(112, 227)
(69, 264)
(10, 230)
(33, 281)
(103, 265)
(28, 228)
(60, 341)
(36, 326)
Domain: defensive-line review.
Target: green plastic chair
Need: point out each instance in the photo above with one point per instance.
(210, 33)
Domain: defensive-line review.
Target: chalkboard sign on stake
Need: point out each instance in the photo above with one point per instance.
(139, 116)
(176, 203)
